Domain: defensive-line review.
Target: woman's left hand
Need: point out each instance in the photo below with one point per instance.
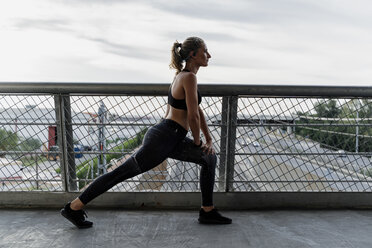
(208, 147)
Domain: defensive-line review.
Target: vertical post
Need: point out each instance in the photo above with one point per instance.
(69, 145)
(228, 138)
(91, 169)
(102, 112)
(357, 128)
(37, 172)
(231, 138)
(59, 123)
(65, 141)
(223, 146)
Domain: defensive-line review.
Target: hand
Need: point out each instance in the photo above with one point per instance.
(208, 147)
(199, 144)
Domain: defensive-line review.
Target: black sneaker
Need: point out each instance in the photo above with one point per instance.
(76, 217)
(212, 217)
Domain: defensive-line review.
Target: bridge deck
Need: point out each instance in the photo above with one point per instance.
(128, 228)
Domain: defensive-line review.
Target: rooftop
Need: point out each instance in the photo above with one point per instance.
(166, 228)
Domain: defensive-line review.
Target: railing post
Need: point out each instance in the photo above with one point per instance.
(228, 137)
(231, 137)
(65, 142)
(223, 146)
(59, 123)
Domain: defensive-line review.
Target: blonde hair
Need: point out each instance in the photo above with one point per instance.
(181, 52)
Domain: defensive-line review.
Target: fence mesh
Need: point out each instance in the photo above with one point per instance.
(24, 162)
(303, 144)
(281, 144)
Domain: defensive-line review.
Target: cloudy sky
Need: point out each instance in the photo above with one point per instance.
(327, 42)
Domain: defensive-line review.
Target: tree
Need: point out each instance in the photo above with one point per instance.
(8, 141)
(29, 144)
(327, 109)
(340, 137)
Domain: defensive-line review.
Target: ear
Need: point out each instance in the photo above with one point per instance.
(192, 54)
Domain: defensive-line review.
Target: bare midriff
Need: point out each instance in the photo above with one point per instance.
(179, 116)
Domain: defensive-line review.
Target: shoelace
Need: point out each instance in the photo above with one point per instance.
(215, 211)
(85, 214)
(81, 214)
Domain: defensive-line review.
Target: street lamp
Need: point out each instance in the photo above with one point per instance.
(102, 115)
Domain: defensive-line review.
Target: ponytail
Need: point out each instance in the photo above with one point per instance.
(176, 59)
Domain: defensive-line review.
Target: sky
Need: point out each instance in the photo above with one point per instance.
(299, 42)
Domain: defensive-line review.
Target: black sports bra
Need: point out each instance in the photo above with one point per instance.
(179, 103)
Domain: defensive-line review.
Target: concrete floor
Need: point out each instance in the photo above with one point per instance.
(127, 228)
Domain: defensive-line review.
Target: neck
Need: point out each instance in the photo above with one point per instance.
(192, 68)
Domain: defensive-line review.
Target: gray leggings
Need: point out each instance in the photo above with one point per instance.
(164, 140)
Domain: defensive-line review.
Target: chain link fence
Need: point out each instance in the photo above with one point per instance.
(303, 144)
(63, 141)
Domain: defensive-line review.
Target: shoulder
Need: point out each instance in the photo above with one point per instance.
(188, 79)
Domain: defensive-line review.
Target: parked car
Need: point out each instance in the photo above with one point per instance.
(256, 144)
(87, 148)
(53, 153)
(78, 149)
(341, 153)
(242, 142)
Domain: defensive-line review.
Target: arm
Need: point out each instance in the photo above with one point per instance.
(208, 146)
(191, 96)
(204, 126)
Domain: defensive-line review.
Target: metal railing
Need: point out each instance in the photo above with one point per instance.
(60, 136)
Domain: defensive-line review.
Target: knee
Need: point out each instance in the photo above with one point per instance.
(211, 161)
(129, 167)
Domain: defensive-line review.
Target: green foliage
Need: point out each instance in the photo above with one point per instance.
(330, 136)
(327, 109)
(32, 160)
(112, 141)
(29, 144)
(366, 172)
(8, 140)
(11, 141)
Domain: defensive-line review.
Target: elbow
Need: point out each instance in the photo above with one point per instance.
(194, 118)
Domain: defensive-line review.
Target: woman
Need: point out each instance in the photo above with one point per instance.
(168, 139)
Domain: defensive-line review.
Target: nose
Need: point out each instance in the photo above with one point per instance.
(209, 56)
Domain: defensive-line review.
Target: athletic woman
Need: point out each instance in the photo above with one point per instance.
(167, 139)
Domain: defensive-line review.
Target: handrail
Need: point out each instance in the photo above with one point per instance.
(160, 89)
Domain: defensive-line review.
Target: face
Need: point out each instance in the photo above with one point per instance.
(202, 55)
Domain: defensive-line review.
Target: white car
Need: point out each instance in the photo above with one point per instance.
(242, 142)
(256, 144)
(341, 153)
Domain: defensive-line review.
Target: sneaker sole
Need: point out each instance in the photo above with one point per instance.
(63, 213)
(213, 222)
